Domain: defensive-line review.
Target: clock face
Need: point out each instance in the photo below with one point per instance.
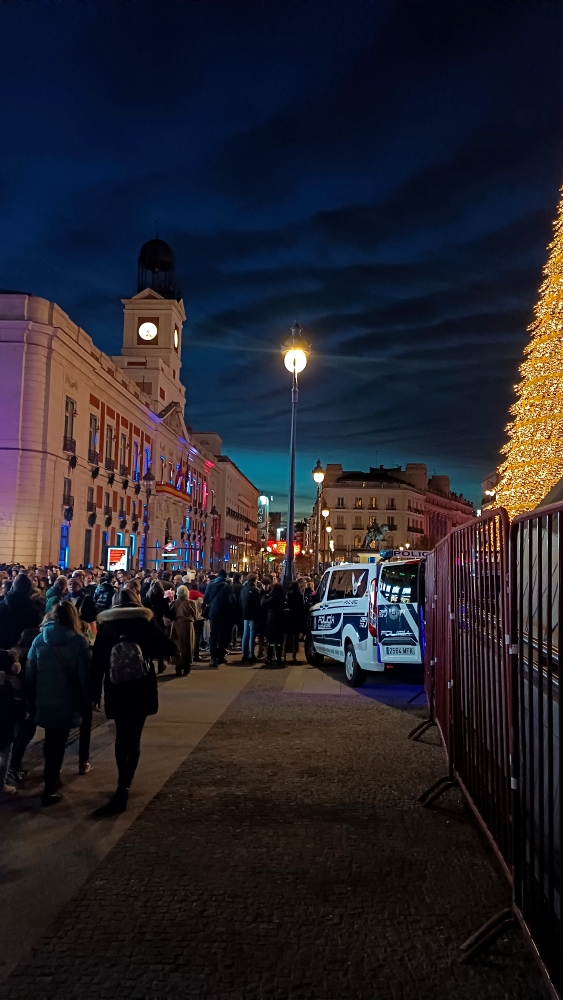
(148, 331)
(176, 338)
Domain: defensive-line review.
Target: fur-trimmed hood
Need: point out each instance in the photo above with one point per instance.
(124, 614)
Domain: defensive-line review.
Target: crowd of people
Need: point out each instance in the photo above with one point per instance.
(72, 642)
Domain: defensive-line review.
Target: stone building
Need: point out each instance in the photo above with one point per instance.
(80, 430)
(417, 510)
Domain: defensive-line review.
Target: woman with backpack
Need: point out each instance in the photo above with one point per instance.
(57, 678)
(127, 641)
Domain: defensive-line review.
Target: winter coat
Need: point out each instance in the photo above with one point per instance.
(183, 614)
(250, 602)
(236, 590)
(160, 607)
(274, 606)
(8, 710)
(17, 613)
(218, 601)
(53, 597)
(103, 596)
(57, 675)
(295, 619)
(135, 698)
(85, 606)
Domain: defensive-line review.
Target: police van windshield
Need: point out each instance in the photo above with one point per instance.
(399, 584)
(319, 596)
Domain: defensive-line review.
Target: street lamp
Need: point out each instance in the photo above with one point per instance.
(318, 476)
(148, 480)
(325, 513)
(295, 352)
(262, 548)
(328, 529)
(214, 515)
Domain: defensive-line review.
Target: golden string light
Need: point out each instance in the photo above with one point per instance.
(534, 452)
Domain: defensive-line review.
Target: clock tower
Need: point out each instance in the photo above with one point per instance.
(152, 329)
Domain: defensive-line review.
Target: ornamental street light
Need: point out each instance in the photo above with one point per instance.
(148, 480)
(318, 476)
(325, 513)
(246, 534)
(262, 549)
(295, 352)
(214, 515)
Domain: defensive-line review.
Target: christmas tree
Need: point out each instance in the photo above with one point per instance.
(534, 452)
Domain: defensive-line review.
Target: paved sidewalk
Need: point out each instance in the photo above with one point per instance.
(286, 858)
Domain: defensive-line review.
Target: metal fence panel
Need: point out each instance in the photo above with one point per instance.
(537, 607)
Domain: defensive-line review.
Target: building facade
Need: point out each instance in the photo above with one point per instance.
(236, 501)
(94, 450)
(416, 510)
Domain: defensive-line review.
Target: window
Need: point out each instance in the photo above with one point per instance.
(67, 488)
(340, 541)
(358, 521)
(320, 595)
(346, 584)
(105, 541)
(147, 460)
(109, 441)
(63, 546)
(135, 469)
(122, 506)
(162, 393)
(357, 541)
(391, 503)
(372, 520)
(123, 455)
(340, 501)
(92, 436)
(391, 524)
(399, 583)
(119, 538)
(134, 514)
(107, 504)
(87, 548)
(358, 503)
(340, 523)
(69, 419)
(373, 503)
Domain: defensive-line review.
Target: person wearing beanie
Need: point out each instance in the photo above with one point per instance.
(17, 612)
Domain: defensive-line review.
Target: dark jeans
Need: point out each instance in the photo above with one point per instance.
(54, 751)
(85, 730)
(128, 730)
(198, 632)
(274, 647)
(292, 643)
(218, 639)
(24, 735)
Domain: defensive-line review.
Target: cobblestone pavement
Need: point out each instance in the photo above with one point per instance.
(287, 858)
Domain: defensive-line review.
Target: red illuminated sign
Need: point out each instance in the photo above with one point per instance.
(278, 548)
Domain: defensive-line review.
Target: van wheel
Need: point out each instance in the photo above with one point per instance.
(313, 658)
(355, 676)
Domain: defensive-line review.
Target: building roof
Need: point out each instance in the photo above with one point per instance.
(225, 458)
(373, 476)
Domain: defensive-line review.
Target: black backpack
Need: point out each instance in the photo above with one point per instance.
(126, 662)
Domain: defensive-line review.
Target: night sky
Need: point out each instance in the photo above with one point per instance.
(385, 172)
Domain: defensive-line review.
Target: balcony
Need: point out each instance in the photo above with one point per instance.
(123, 470)
(68, 500)
(391, 505)
(108, 511)
(391, 524)
(109, 464)
(91, 506)
(417, 531)
(69, 445)
(92, 456)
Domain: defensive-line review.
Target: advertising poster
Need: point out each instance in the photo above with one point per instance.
(117, 558)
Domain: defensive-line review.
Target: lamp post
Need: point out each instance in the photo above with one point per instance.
(262, 547)
(328, 529)
(325, 513)
(214, 514)
(318, 476)
(295, 352)
(148, 480)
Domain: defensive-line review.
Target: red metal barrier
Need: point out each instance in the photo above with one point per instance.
(537, 610)
(480, 701)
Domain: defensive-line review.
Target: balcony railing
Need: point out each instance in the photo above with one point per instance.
(91, 506)
(109, 464)
(68, 500)
(391, 505)
(391, 524)
(108, 511)
(92, 456)
(69, 444)
(123, 470)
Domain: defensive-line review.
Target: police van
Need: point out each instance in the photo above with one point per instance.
(368, 617)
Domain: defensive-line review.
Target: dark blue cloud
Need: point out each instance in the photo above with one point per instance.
(385, 172)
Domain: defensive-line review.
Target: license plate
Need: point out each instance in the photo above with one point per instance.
(401, 651)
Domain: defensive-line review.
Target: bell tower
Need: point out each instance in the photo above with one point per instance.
(152, 329)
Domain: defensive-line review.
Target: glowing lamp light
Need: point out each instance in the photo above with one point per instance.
(325, 511)
(329, 527)
(318, 472)
(295, 351)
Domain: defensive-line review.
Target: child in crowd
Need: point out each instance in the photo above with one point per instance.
(10, 695)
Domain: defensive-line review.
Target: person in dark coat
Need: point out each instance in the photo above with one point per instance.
(18, 612)
(217, 606)
(250, 606)
(130, 703)
(25, 723)
(236, 611)
(9, 696)
(274, 606)
(294, 618)
(160, 607)
(104, 592)
(57, 675)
